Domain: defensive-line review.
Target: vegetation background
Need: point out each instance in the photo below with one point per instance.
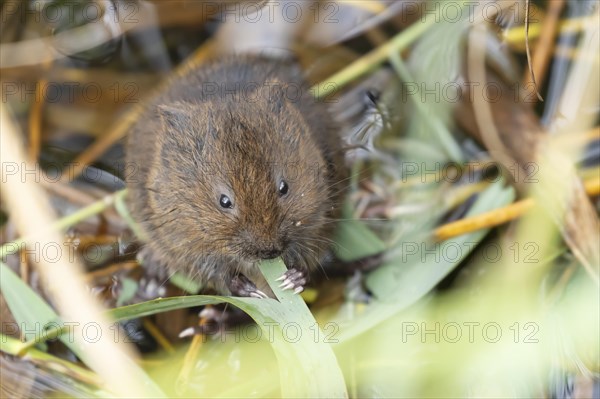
(470, 238)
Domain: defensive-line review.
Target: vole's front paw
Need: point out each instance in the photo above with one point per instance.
(293, 279)
(240, 285)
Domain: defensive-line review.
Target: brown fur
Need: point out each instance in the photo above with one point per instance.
(189, 147)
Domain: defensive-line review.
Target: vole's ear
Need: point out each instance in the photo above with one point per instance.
(183, 129)
(174, 117)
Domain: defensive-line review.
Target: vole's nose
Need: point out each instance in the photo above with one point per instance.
(269, 253)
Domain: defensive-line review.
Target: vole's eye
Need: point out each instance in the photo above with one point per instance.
(225, 202)
(283, 188)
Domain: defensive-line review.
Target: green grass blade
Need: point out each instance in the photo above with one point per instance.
(308, 367)
(309, 364)
(402, 281)
(34, 315)
(354, 240)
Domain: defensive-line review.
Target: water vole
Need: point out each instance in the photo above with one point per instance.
(236, 162)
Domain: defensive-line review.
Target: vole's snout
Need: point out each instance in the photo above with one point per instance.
(269, 252)
(263, 244)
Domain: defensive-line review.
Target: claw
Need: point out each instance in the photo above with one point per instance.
(188, 332)
(241, 286)
(285, 282)
(258, 294)
(293, 279)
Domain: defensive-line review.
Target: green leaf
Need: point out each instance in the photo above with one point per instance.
(185, 283)
(128, 291)
(32, 314)
(420, 266)
(308, 367)
(35, 316)
(161, 305)
(354, 240)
